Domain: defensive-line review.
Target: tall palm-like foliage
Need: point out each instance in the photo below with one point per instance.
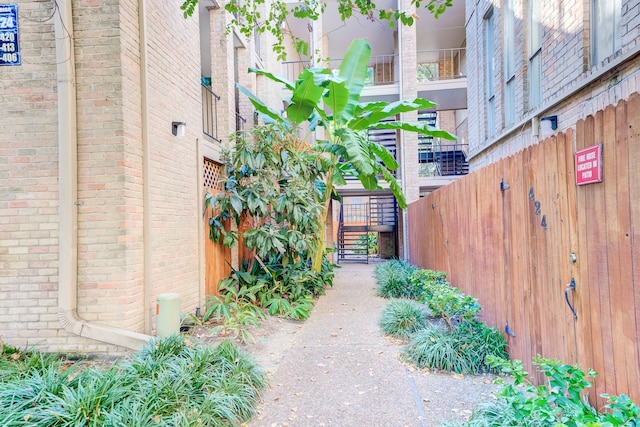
(331, 100)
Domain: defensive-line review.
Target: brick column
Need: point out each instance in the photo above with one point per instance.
(222, 72)
(408, 141)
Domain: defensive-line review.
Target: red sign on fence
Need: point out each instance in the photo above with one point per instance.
(589, 165)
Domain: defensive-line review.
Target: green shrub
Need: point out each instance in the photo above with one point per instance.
(443, 299)
(171, 382)
(559, 403)
(463, 349)
(392, 279)
(367, 244)
(402, 317)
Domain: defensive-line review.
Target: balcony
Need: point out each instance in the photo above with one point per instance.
(210, 113)
(441, 77)
(382, 69)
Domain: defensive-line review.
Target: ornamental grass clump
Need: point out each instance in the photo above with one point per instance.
(171, 382)
(402, 317)
(392, 279)
(463, 349)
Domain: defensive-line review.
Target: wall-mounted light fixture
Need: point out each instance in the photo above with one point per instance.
(178, 129)
(553, 120)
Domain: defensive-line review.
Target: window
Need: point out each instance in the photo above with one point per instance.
(509, 63)
(606, 22)
(490, 70)
(535, 53)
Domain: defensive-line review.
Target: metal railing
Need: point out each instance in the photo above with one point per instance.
(241, 122)
(382, 69)
(210, 113)
(441, 64)
(293, 68)
(442, 159)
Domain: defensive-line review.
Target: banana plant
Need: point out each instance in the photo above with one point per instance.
(321, 97)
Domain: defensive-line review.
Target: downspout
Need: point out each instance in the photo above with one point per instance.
(403, 163)
(68, 192)
(146, 162)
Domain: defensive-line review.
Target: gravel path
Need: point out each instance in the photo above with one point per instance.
(337, 369)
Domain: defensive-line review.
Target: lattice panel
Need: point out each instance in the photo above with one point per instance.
(212, 175)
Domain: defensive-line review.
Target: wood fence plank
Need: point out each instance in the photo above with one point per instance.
(615, 178)
(524, 275)
(217, 256)
(633, 115)
(493, 246)
(552, 285)
(572, 218)
(565, 202)
(583, 290)
(506, 302)
(596, 252)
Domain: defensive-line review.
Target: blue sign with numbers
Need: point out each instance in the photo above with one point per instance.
(9, 36)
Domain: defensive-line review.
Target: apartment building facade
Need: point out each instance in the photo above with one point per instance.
(535, 65)
(426, 60)
(113, 124)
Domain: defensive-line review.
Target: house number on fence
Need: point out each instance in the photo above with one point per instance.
(9, 35)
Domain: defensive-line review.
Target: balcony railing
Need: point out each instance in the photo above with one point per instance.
(382, 69)
(210, 113)
(441, 64)
(442, 159)
(241, 122)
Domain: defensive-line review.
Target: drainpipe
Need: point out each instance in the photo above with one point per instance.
(403, 162)
(146, 166)
(68, 192)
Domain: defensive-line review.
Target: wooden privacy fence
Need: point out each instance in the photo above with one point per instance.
(517, 233)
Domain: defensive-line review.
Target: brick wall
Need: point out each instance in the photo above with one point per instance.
(29, 193)
(566, 66)
(174, 95)
(110, 171)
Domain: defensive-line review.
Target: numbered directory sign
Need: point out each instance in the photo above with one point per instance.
(9, 36)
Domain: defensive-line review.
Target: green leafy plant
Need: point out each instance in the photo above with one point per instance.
(272, 179)
(561, 402)
(259, 16)
(235, 307)
(392, 279)
(322, 97)
(367, 244)
(402, 317)
(464, 349)
(443, 299)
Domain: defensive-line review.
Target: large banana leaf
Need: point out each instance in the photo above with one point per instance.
(268, 115)
(305, 97)
(357, 147)
(353, 69)
(420, 128)
(336, 97)
(393, 185)
(276, 78)
(373, 113)
(383, 154)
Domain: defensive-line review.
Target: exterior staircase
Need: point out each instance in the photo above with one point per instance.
(377, 215)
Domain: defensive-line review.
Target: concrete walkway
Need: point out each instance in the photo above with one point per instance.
(339, 370)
